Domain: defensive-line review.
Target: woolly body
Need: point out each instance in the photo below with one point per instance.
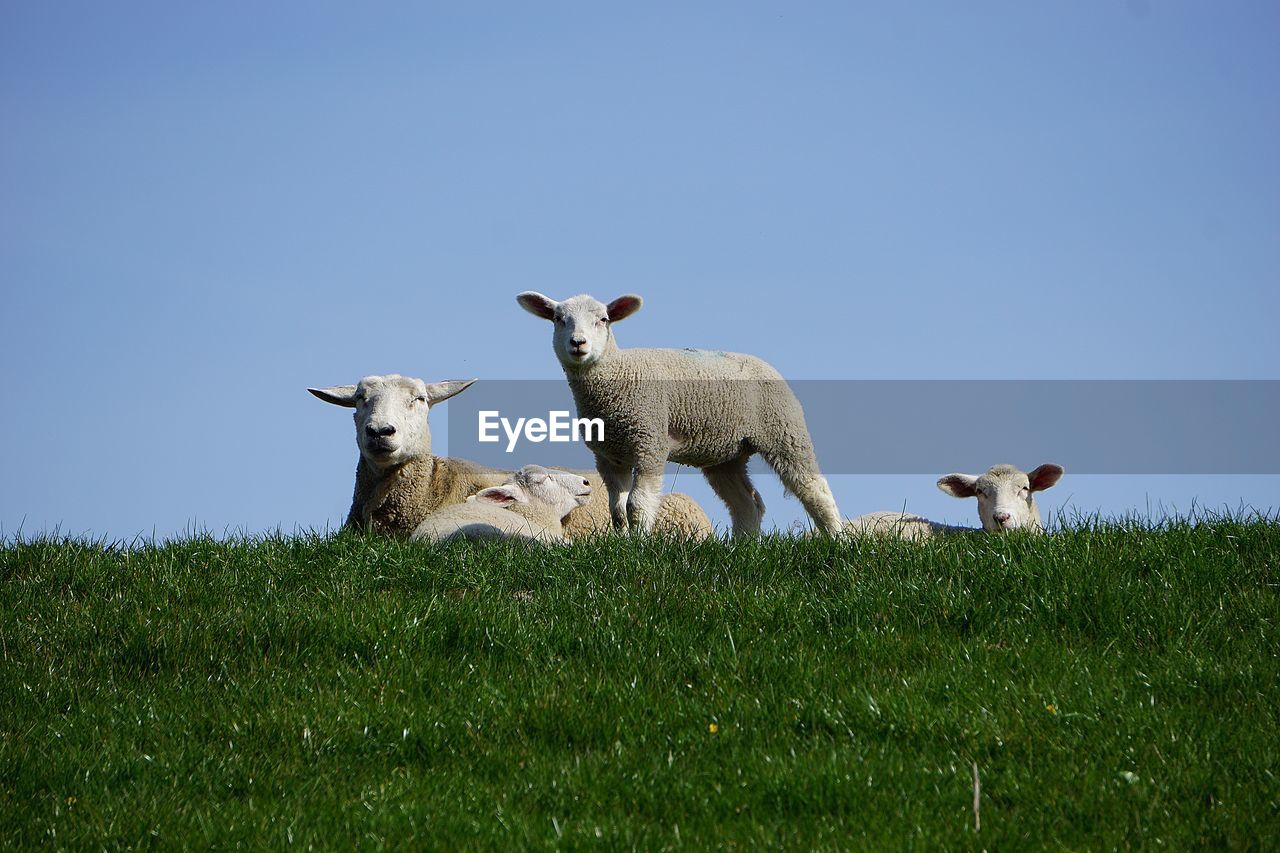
(529, 505)
(399, 482)
(709, 409)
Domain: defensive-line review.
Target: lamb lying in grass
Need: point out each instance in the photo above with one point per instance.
(529, 505)
(1006, 501)
(399, 482)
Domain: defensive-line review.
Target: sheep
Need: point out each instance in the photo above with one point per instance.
(1006, 501)
(1006, 495)
(900, 525)
(399, 482)
(711, 410)
(529, 506)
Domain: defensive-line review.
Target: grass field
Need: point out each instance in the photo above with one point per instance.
(1111, 685)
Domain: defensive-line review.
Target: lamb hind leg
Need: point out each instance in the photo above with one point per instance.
(798, 470)
(731, 484)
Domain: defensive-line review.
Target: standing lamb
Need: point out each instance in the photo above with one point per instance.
(529, 505)
(1006, 501)
(399, 482)
(710, 410)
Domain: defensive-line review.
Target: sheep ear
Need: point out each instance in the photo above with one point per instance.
(339, 395)
(537, 304)
(1045, 477)
(958, 485)
(535, 474)
(623, 307)
(500, 495)
(440, 391)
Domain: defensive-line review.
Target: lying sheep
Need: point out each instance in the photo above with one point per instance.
(899, 525)
(530, 505)
(399, 482)
(1006, 501)
(710, 410)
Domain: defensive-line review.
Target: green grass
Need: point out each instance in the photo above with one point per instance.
(1115, 685)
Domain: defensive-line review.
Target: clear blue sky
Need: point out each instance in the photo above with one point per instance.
(205, 208)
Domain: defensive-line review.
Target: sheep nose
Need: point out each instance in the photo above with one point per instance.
(1001, 517)
(578, 341)
(376, 431)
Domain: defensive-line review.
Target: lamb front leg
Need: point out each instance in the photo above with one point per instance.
(617, 481)
(642, 508)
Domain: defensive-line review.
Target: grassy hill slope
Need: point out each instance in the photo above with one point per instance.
(1109, 685)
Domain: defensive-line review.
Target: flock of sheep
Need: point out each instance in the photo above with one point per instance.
(708, 409)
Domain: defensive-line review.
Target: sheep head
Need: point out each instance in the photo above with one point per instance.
(563, 491)
(1006, 495)
(582, 324)
(391, 414)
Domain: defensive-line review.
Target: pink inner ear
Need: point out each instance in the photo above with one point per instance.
(623, 307)
(958, 486)
(536, 303)
(1045, 476)
(496, 495)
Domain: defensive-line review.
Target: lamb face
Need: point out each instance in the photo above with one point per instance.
(564, 490)
(582, 334)
(391, 415)
(560, 491)
(1006, 495)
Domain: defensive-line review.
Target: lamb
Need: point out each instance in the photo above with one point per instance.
(710, 410)
(399, 482)
(1006, 501)
(528, 506)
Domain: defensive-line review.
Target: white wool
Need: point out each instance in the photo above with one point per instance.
(708, 409)
(399, 482)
